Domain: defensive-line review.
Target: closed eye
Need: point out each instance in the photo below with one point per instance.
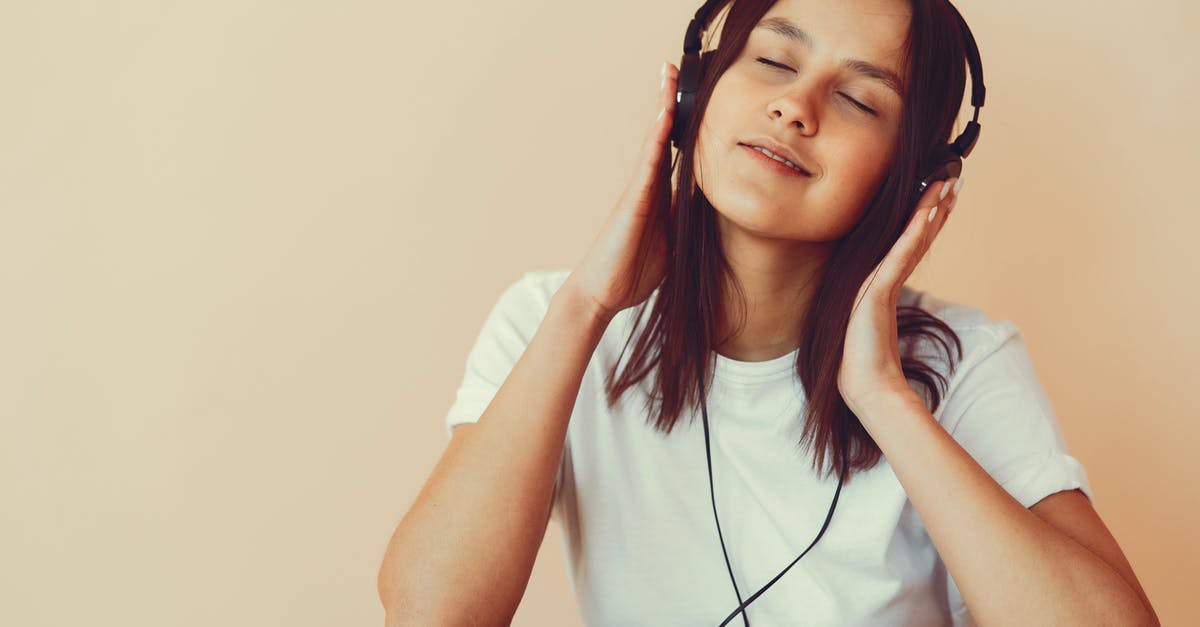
(766, 61)
(776, 64)
(860, 105)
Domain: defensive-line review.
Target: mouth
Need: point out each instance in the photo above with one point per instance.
(775, 162)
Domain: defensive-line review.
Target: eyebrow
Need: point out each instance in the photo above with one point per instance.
(787, 28)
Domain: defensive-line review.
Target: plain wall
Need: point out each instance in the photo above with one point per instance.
(245, 247)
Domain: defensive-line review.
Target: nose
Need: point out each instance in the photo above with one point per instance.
(795, 109)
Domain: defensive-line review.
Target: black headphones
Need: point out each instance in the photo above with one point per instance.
(943, 162)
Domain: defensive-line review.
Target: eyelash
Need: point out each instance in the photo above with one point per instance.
(770, 63)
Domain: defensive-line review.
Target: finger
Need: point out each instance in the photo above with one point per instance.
(935, 193)
(661, 129)
(670, 80)
(905, 254)
(654, 146)
(947, 196)
(955, 193)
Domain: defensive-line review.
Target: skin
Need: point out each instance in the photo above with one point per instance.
(778, 231)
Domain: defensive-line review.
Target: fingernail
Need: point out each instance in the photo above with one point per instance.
(662, 76)
(932, 214)
(945, 189)
(957, 190)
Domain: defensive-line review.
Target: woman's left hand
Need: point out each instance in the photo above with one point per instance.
(871, 356)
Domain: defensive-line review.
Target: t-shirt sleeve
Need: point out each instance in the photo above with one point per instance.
(1000, 413)
(507, 330)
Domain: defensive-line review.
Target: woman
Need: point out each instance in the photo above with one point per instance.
(773, 292)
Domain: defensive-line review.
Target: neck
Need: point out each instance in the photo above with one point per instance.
(778, 278)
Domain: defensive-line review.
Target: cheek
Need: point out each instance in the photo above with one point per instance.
(861, 168)
(721, 117)
(707, 147)
(863, 160)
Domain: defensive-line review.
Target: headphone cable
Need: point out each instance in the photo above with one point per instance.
(712, 493)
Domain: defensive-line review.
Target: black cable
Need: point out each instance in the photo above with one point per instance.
(712, 493)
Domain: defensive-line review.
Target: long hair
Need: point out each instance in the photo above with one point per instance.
(677, 338)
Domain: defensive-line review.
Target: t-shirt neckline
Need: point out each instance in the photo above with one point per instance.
(749, 371)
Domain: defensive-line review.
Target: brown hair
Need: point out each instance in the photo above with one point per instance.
(687, 306)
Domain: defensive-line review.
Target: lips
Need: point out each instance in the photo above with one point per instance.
(779, 149)
(774, 164)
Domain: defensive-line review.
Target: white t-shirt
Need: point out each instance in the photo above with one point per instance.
(634, 504)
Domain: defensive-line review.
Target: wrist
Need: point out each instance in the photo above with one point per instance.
(582, 310)
(886, 400)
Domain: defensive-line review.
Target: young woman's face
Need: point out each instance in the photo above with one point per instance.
(809, 98)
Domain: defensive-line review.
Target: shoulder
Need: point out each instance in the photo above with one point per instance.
(997, 408)
(529, 294)
(527, 298)
(993, 349)
(543, 283)
(955, 314)
(979, 331)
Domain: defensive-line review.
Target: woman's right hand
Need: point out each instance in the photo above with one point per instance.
(606, 275)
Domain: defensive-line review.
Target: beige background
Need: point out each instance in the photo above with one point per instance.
(245, 246)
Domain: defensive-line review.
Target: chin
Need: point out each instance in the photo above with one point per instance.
(798, 221)
(762, 219)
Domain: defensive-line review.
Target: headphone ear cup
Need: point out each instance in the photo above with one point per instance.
(942, 163)
(691, 68)
(685, 95)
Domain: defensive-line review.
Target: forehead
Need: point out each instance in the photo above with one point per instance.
(872, 30)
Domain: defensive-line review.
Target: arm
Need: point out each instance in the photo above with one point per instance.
(464, 551)
(1012, 566)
